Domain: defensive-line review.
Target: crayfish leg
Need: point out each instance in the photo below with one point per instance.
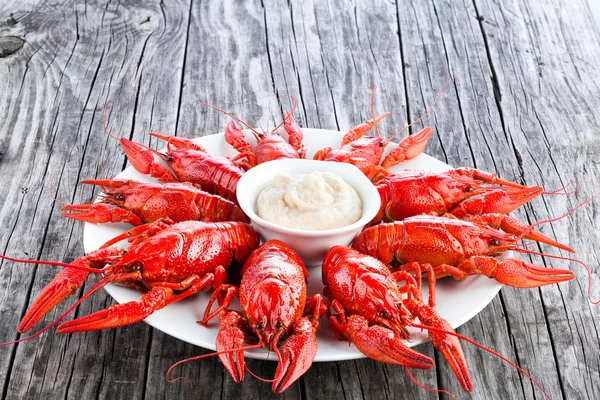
(119, 314)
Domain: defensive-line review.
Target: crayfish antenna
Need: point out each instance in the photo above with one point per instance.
(290, 113)
(53, 263)
(564, 188)
(256, 134)
(500, 356)
(61, 317)
(258, 377)
(584, 265)
(429, 389)
(52, 195)
(530, 227)
(105, 123)
(372, 108)
(216, 353)
(429, 109)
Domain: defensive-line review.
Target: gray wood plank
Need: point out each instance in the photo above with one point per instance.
(99, 65)
(469, 128)
(547, 73)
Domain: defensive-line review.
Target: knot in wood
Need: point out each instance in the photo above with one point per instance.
(10, 45)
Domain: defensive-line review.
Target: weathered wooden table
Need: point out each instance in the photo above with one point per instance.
(523, 103)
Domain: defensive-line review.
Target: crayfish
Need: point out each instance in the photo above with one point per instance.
(460, 248)
(276, 314)
(461, 192)
(188, 162)
(372, 312)
(163, 258)
(365, 152)
(138, 203)
(269, 144)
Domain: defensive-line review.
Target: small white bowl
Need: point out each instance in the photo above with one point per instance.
(311, 245)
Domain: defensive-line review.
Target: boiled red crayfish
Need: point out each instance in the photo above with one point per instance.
(276, 314)
(372, 313)
(365, 152)
(188, 162)
(138, 203)
(162, 258)
(461, 192)
(269, 144)
(459, 248)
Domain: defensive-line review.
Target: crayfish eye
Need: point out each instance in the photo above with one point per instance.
(278, 324)
(495, 242)
(382, 314)
(259, 326)
(469, 189)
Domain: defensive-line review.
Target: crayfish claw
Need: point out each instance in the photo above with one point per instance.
(485, 176)
(408, 148)
(64, 284)
(229, 338)
(296, 355)
(361, 129)
(119, 314)
(518, 273)
(142, 159)
(381, 344)
(445, 343)
(512, 225)
(178, 142)
(496, 199)
(99, 213)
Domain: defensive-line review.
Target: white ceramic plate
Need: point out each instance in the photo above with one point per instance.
(457, 301)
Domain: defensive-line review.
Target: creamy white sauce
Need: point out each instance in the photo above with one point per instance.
(315, 201)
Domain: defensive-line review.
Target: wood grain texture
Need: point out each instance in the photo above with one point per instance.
(522, 103)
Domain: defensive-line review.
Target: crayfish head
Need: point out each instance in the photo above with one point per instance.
(499, 244)
(380, 300)
(269, 313)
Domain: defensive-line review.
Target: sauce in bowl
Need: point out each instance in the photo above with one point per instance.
(314, 201)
